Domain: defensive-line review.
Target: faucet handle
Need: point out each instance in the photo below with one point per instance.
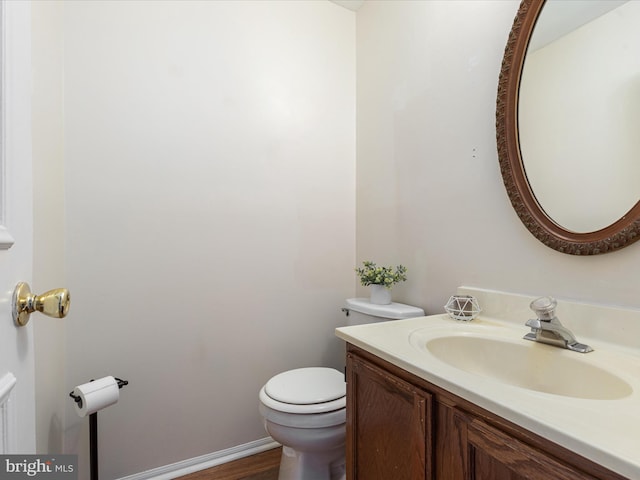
(544, 307)
(534, 323)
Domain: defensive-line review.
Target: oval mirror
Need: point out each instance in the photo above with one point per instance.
(571, 177)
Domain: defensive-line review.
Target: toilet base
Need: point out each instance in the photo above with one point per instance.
(310, 453)
(329, 465)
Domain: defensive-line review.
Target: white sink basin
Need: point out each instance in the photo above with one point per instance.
(524, 364)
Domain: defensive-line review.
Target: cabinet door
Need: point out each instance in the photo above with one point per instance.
(494, 455)
(388, 426)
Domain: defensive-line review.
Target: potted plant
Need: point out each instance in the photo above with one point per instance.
(381, 279)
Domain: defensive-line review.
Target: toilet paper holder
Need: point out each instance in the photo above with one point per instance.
(93, 431)
(78, 400)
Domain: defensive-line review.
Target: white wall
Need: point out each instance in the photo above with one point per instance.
(429, 190)
(209, 192)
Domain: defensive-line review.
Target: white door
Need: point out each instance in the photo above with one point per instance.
(17, 384)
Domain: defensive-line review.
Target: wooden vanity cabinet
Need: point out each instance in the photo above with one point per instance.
(388, 425)
(400, 427)
(492, 454)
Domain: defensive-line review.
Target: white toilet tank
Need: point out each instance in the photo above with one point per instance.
(360, 311)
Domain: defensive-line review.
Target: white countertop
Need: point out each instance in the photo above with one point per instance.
(605, 431)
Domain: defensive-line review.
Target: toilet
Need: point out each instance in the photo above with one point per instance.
(305, 409)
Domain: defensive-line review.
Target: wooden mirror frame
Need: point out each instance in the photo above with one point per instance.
(619, 234)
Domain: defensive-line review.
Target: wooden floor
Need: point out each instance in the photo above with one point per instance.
(263, 466)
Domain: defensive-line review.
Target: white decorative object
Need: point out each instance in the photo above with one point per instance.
(380, 295)
(462, 307)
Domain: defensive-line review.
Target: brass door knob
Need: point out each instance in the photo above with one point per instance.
(54, 303)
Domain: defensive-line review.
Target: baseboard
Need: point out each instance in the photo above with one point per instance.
(203, 462)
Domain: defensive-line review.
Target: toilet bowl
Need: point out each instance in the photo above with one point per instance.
(305, 411)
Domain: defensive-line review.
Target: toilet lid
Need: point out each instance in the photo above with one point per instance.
(307, 386)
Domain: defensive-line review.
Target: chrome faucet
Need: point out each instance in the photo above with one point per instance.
(546, 328)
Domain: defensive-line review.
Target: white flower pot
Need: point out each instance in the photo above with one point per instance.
(380, 295)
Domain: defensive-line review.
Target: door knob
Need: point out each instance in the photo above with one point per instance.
(54, 303)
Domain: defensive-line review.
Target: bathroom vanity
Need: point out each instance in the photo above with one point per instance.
(400, 426)
(425, 401)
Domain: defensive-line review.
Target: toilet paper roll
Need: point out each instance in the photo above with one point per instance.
(96, 395)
